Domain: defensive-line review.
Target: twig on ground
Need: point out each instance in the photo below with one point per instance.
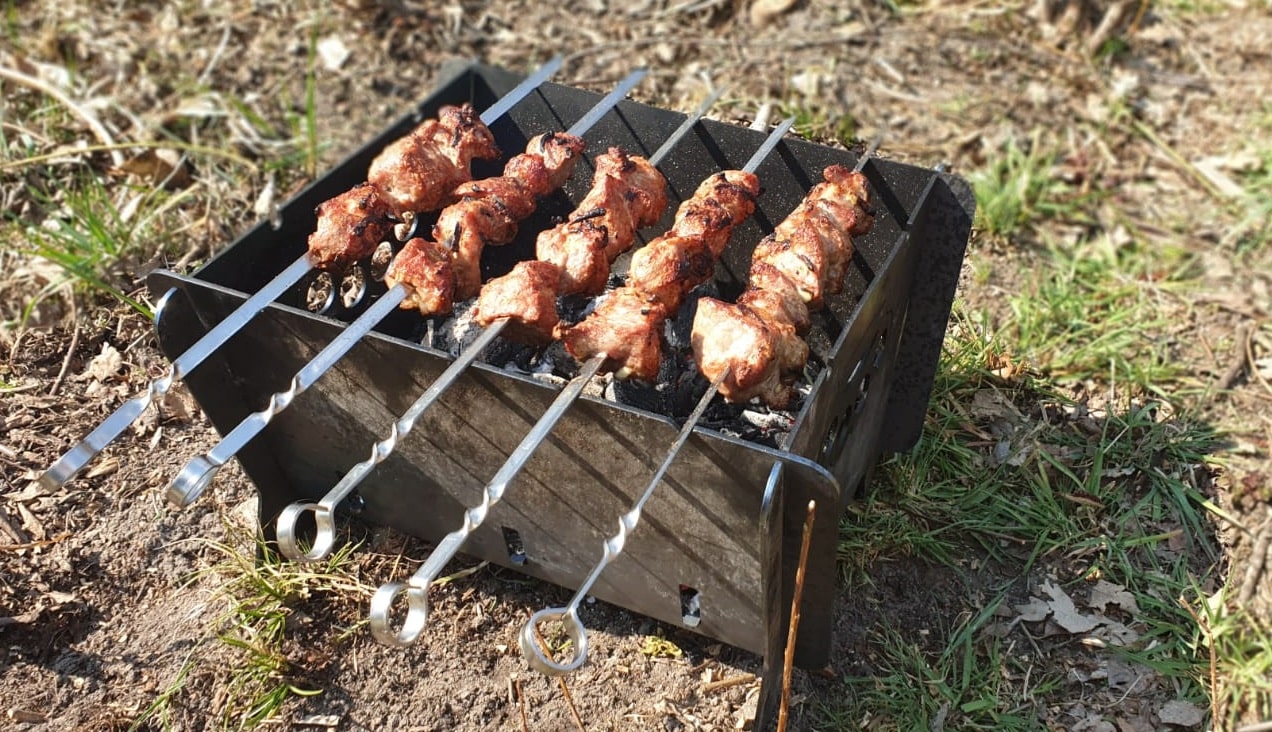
(70, 350)
(34, 544)
(1257, 561)
(12, 529)
(96, 127)
(565, 690)
(784, 710)
(726, 683)
(521, 704)
(1254, 368)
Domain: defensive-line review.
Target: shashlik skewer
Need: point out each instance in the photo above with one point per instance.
(611, 169)
(568, 615)
(200, 470)
(74, 460)
(754, 346)
(416, 588)
(852, 219)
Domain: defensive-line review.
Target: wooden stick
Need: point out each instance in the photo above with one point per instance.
(569, 700)
(789, 660)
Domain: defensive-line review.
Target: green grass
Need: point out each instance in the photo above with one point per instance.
(1019, 188)
(1016, 473)
(253, 641)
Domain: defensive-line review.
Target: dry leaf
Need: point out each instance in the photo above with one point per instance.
(1065, 613)
(764, 11)
(1181, 714)
(104, 365)
(158, 167)
(1106, 593)
(1033, 612)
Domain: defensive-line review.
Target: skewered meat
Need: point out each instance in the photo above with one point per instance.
(487, 211)
(418, 172)
(627, 193)
(792, 271)
(526, 296)
(425, 267)
(627, 327)
(660, 275)
(756, 350)
(350, 227)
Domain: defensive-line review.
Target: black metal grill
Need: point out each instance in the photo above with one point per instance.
(726, 522)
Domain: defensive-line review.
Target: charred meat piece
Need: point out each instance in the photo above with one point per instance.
(627, 327)
(663, 272)
(669, 267)
(720, 203)
(350, 227)
(424, 267)
(577, 251)
(759, 353)
(527, 297)
(627, 193)
(813, 246)
(487, 211)
(419, 171)
(792, 272)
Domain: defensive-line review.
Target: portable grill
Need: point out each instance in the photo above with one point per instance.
(719, 542)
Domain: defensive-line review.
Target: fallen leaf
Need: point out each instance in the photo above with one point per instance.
(158, 167)
(1181, 714)
(104, 365)
(1065, 613)
(1106, 593)
(1034, 611)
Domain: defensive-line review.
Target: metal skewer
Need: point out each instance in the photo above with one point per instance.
(323, 511)
(198, 473)
(416, 588)
(568, 616)
(75, 459)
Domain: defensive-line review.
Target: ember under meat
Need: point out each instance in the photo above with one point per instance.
(792, 271)
(486, 212)
(627, 324)
(628, 193)
(414, 174)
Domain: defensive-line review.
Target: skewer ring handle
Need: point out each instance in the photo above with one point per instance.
(574, 630)
(193, 479)
(382, 611)
(324, 532)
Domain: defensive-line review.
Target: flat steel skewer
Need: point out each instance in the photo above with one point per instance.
(75, 459)
(416, 588)
(199, 472)
(323, 511)
(568, 615)
(613, 546)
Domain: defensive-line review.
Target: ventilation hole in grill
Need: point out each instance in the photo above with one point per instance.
(860, 404)
(321, 293)
(380, 260)
(690, 606)
(353, 286)
(516, 550)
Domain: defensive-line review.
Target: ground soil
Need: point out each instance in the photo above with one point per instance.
(104, 589)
